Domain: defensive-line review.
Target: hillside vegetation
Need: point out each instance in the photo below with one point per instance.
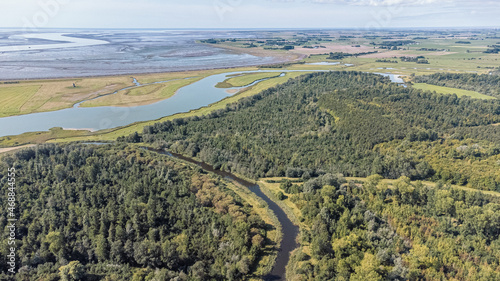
(352, 123)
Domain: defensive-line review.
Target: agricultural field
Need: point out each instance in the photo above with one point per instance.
(372, 52)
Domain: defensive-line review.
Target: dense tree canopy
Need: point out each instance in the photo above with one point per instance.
(403, 231)
(347, 122)
(90, 213)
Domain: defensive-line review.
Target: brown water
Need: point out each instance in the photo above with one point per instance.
(290, 231)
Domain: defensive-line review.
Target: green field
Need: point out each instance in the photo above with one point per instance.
(31, 96)
(246, 79)
(450, 91)
(142, 95)
(13, 98)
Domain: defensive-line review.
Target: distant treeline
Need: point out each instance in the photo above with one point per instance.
(342, 55)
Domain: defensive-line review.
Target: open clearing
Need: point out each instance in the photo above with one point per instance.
(450, 91)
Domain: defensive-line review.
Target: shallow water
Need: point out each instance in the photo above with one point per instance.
(43, 55)
(66, 42)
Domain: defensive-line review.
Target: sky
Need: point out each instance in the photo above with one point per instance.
(359, 14)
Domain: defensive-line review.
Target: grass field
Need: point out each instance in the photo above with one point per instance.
(13, 98)
(246, 79)
(142, 95)
(450, 91)
(50, 95)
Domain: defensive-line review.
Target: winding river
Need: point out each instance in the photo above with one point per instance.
(289, 230)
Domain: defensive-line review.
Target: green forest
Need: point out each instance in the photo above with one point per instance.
(404, 231)
(122, 213)
(421, 202)
(353, 123)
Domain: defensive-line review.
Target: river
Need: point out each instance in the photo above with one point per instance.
(289, 230)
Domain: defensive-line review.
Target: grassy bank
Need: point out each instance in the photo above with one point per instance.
(142, 95)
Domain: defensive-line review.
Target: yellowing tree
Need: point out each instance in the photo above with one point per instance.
(368, 269)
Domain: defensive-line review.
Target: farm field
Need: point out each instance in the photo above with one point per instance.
(15, 97)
